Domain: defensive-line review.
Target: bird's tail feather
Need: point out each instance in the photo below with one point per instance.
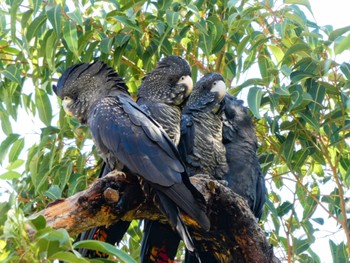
(159, 242)
(185, 200)
(172, 212)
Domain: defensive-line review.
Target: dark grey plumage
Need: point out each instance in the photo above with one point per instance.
(162, 93)
(201, 144)
(244, 176)
(201, 129)
(129, 140)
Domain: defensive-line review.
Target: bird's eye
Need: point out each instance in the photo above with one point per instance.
(182, 78)
(214, 83)
(66, 98)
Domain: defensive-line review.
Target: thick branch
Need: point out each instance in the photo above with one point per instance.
(234, 236)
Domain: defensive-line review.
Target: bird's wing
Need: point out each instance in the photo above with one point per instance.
(260, 196)
(121, 128)
(187, 138)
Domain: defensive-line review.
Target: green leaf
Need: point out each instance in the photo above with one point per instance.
(70, 35)
(34, 27)
(44, 106)
(346, 177)
(5, 145)
(54, 192)
(64, 173)
(283, 91)
(318, 220)
(13, 73)
(50, 50)
(317, 92)
(76, 16)
(299, 2)
(296, 98)
(264, 66)
(68, 257)
(128, 23)
(54, 15)
(277, 52)
(10, 175)
(59, 235)
(339, 253)
(254, 101)
(342, 45)
(106, 45)
(301, 245)
(38, 222)
(205, 43)
(13, 14)
(300, 47)
(14, 165)
(121, 39)
(232, 3)
(26, 16)
(300, 157)
(16, 149)
(194, 10)
(310, 120)
(201, 26)
(172, 18)
(284, 208)
(105, 248)
(36, 5)
(345, 68)
(288, 147)
(338, 32)
(5, 123)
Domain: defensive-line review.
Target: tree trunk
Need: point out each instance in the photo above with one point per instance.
(234, 236)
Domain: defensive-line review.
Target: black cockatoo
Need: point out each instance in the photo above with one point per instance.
(163, 93)
(244, 176)
(201, 129)
(201, 144)
(128, 139)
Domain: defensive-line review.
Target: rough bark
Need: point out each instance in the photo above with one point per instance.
(234, 236)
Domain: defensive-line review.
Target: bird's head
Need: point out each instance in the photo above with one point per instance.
(169, 82)
(238, 117)
(208, 93)
(83, 84)
(233, 107)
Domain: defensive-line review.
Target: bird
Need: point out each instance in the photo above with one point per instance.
(201, 144)
(129, 140)
(163, 93)
(244, 176)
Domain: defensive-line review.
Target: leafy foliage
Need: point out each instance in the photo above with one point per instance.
(299, 97)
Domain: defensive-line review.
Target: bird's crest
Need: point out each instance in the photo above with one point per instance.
(97, 72)
(176, 64)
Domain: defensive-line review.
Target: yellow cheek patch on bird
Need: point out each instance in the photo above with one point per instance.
(65, 104)
(187, 80)
(220, 88)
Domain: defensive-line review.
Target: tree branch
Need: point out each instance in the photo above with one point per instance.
(234, 236)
